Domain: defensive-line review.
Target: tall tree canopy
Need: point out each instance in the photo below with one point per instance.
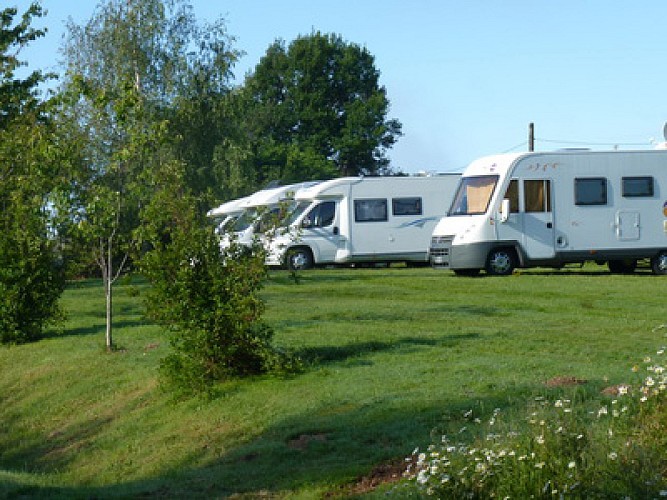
(312, 110)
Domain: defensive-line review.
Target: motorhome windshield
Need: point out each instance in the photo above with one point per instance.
(245, 220)
(297, 209)
(473, 195)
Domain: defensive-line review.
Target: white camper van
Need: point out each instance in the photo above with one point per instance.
(258, 207)
(363, 220)
(551, 209)
(225, 214)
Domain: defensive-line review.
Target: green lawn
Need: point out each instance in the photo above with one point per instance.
(392, 357)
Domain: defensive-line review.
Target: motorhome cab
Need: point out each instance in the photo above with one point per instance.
(256, 211)
(363, 220)
(226, 214)
(550, 209)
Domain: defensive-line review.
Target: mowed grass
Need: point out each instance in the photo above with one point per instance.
(392, 357)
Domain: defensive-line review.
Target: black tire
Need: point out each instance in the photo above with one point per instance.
(659, 263)
(624, 266)
(501, 262)
(299, 259)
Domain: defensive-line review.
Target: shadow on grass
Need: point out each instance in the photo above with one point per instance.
(319, 450)
(335, 354)
(97, 328)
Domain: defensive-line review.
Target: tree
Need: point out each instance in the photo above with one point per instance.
(31, 279)
(315, 110)
(133, 71)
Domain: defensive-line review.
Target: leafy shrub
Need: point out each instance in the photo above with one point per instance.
(31, 282)
(210, 301)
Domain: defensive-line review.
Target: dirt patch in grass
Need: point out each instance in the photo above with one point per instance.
(564, 381)
(388, 473)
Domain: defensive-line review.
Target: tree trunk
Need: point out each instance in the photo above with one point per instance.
(108, 289)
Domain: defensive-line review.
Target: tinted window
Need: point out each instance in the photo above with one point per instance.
(590, 191)
(406, 206)
(321, 215)
(373, 210)
(637, 186)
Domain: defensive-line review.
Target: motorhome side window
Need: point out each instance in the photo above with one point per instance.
(321, 215)
(590, 191)
(406, 206)
(512, 194)
(371, 210)
(537, 195)
(635, 187)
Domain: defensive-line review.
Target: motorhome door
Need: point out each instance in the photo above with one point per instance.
(538, 219)
(321, 230)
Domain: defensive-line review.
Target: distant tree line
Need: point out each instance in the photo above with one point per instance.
(144, 131)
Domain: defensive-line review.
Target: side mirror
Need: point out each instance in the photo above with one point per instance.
(505, 210)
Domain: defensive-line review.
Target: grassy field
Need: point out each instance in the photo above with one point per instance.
(392, 358)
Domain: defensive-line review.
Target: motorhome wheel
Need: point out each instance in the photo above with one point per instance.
(299, 259)
(501, 262)
(659, 263)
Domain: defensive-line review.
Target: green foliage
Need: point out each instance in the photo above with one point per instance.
(31, 278)
(609, 448)
(31, 282)
(312, 110)
(209, 299)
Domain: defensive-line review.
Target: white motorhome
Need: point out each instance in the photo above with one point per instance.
(362, 220)
(224, 215)
(550, 209)
(258, 208)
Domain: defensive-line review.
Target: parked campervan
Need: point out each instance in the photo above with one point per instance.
(362, 220)
(550, 209)
(224, 215)
(258, 208)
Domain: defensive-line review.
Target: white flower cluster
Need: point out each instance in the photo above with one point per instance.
(550, 451)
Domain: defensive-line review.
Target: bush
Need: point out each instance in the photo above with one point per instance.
(31, 282)
(210, 301)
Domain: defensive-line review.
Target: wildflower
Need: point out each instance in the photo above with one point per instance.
(540, 439)
(558, 404)
(539, 465)
(613, 455)
(422, 477)
(622, 390)
(602, 411)
(650, 382)
(643, 399)
(572, 465)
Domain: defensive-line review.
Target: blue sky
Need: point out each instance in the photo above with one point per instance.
(467, 77)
